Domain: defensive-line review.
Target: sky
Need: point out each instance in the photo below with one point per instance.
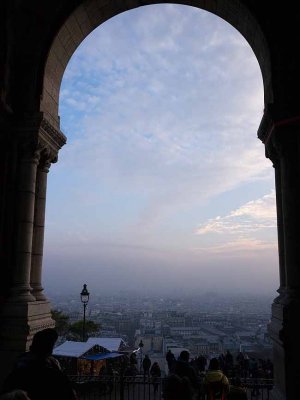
(163, 185)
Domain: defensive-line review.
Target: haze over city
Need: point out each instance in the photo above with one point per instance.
(163, 185)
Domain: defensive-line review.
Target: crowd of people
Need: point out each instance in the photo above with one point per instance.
(38, 375)
(216, 378)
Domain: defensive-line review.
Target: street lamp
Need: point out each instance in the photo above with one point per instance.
(84, 296)
(141, 345)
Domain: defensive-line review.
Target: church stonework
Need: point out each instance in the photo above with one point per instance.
(37, 40)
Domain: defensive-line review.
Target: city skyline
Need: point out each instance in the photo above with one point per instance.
(163, 184)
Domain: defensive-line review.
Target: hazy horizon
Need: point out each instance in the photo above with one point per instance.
(206, 296)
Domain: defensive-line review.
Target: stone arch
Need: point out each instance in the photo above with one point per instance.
(37, 40)
(92, 13)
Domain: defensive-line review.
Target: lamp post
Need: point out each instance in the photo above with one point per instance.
(84, 296)
(141, 345)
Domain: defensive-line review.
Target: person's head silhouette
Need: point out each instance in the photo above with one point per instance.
(214, 364)
(184, 356)
(43, 342)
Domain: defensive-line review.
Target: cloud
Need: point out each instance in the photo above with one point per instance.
(158, 107)
(260, 209)
(253, 216)
(246, 247)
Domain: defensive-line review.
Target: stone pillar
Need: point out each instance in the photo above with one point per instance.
(26, 310)
(21, 290)
(38, 230)
(282, 272)
(282, 143)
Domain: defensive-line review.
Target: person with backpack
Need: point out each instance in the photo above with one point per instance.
(215, 382)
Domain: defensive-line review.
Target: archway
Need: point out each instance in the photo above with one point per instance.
(92, 13)
(31, 139)
(143, 118)
(88, 16)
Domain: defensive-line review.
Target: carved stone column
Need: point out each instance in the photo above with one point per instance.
(50, 141)
(282, 143)
(26, 310)
(38, 229)
(21, 290)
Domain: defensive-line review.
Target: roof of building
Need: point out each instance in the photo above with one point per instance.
(102, 356)
(79, 349)
(72, 349)
(111, 344)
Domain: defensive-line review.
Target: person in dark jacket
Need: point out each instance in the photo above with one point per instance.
(38, 373)
(183, 368)
(177, 388)
(171, 360)
(155, 373)
(146, 365)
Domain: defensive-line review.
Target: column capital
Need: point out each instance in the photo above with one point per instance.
(278, 134)
(37, 137)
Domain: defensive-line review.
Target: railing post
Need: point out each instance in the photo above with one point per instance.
(121, 386)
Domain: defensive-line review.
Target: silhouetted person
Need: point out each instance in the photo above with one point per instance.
(240, 358)
(133, 359)
(228, 362)
(146, 365)
(108, 374)
(155, 373)
(131, 370)
(183, 368)
(254, 374)
(221, 359)
(201, 362)
(269, 369)
(124, 363)
(215, 382)
(38, 373)
(177, 388)
(171, 360)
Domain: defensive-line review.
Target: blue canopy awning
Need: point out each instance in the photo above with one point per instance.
(101, 356)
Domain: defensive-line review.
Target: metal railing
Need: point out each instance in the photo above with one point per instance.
(145, 388)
